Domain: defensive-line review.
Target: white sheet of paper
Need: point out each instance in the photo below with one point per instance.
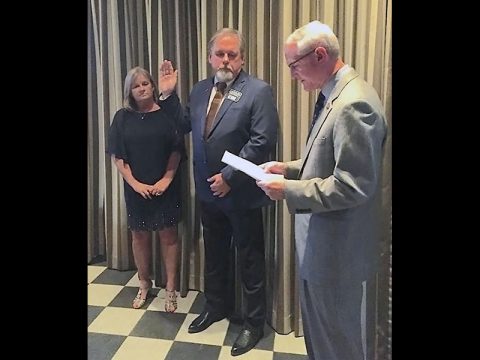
(247, 167)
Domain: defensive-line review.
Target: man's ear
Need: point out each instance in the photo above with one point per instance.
(320, 53)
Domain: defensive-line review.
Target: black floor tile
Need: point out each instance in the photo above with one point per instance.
(125, 297)
(158, 325)
(198, 304)
(103, 346)
(93, 312)
(114, 277)
(188, 351)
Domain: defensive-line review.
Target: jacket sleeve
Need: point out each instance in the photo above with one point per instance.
(173, 106)
(263, 134)
(293, 169)
(358, 135)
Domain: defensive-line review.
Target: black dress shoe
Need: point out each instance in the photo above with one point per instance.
(246, 340)
(203, 321)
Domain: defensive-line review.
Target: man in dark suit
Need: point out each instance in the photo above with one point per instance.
(333, 190)
(236, 112)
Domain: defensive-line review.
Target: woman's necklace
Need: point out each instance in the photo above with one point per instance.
(143, 114)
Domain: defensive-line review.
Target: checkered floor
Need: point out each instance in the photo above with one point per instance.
(117, 331)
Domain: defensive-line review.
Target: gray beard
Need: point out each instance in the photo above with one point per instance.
(224, 75)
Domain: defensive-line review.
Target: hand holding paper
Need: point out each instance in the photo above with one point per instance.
(274, 167)
(248, 167)
(275, 190)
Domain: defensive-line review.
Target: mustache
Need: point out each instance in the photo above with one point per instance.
(224, 74)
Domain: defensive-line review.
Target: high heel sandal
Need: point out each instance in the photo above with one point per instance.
(139, 300)
(170, 301)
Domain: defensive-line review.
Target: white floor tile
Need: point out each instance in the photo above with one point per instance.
(116, 321)
(289, 344)
(138, 348)
(102, 294)
(94, 271)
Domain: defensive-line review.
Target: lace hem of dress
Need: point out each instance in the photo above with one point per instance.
(155, 225)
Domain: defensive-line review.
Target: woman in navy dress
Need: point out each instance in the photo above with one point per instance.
(147, 147)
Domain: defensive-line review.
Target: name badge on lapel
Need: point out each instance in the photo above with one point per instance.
(234, 95)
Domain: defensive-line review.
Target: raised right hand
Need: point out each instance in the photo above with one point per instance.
(167, 79)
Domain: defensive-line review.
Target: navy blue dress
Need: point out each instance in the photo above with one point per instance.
(145, 141)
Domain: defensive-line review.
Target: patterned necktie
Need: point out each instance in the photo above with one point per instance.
(214, 106)
(318, 108)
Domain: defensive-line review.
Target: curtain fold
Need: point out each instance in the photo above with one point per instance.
(123, 34)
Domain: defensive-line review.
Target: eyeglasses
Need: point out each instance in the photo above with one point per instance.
(300, 58)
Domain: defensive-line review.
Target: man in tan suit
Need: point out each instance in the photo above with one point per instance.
(333, 190)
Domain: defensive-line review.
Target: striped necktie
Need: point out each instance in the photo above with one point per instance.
(214, 106)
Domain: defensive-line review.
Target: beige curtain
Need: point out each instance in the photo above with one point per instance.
(126, 33)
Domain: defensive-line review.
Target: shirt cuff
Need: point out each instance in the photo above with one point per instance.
(162, 98)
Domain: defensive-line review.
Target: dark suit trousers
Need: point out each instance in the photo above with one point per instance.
(331, 320)
(246, 228)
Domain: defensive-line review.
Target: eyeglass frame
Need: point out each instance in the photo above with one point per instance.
(301, 57)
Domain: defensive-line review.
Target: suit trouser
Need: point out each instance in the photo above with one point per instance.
(246, 227)
(331, 320)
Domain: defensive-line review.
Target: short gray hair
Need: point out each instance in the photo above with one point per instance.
(128, 100)
(224, 32)
(312, 35)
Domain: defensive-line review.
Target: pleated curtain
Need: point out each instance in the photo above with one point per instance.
(127, 33)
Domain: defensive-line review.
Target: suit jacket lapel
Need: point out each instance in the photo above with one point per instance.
(349, 76)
